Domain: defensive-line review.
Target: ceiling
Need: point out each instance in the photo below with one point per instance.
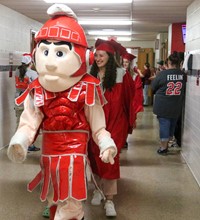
(149, 17)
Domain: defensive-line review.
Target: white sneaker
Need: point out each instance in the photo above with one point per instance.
(97, 198)
(110, 209)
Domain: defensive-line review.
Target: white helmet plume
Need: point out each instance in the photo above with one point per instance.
(61, 9)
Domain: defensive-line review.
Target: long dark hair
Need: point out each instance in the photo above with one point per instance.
(109, 79)
(22, 71)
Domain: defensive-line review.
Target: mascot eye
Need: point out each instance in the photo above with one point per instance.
(46, 52)
(59, 54)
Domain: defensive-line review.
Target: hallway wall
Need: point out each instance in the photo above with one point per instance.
(191, 133)
(15, 39)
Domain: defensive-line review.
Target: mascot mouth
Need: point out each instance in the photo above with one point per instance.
(51, 78)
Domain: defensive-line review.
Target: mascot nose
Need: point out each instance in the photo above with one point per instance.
(50, 67)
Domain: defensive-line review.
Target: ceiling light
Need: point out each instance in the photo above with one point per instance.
(104, 22)
(112, 33)
(89, 1)
(118, 38)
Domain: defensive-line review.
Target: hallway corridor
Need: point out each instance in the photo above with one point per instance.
(152, 187)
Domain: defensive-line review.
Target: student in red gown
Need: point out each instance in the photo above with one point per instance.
(138, 100)
(127, 59)
(118, 88)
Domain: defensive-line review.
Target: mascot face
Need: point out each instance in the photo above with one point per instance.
(56, 62)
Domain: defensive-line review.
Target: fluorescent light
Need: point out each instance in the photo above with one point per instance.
(112, 33)
(118, 38)
(89, 1)
(104, 22)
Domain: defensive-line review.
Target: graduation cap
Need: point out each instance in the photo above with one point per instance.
(110, 46)
(128, 56)
(104, 45)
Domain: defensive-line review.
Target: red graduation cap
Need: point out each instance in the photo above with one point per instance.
(118, 47)
(110, 46)
(104, 45)
(128, 56)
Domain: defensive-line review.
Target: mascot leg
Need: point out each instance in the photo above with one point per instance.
(52, 212)
(70, 209)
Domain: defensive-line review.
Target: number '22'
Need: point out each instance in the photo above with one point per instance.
(174, 88)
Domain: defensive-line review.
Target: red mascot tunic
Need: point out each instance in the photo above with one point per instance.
(65, 136)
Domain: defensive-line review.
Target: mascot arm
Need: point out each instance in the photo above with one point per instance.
(101, 136)
(30, 121)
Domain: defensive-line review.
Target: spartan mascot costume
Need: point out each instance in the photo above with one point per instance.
(65, 104)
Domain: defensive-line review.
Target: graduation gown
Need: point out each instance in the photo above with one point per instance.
(120, 118)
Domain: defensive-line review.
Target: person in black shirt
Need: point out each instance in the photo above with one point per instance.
(168, 88)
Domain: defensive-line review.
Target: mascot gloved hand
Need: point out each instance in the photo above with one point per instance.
(65, 103)
(16, 153)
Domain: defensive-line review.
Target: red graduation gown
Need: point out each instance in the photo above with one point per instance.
(120, 117)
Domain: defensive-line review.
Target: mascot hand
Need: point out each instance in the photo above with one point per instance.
(16, 153)
(107, 156)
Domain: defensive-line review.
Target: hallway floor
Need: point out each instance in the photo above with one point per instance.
(152, 187)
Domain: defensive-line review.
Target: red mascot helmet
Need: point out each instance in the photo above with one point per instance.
(63, 26)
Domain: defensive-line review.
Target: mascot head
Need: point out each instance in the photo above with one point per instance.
(61, 53)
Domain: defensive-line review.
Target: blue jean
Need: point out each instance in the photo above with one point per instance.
(167, 128)
(145, 95)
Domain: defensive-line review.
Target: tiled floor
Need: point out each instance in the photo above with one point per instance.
(152, 187)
